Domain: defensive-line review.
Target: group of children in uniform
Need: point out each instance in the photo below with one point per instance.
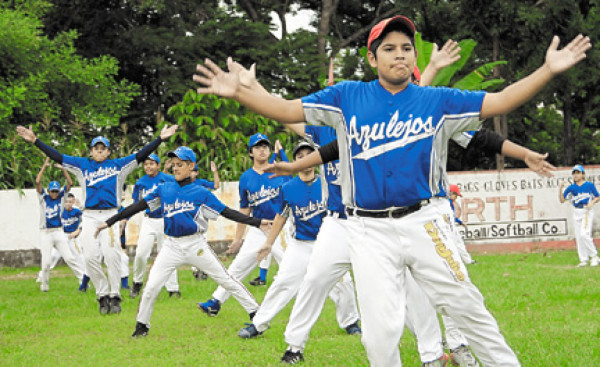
(380, 212)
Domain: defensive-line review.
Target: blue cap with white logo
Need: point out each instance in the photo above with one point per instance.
(100, 139)
(578, 167)
(183, 153)
(257, 138)
(154, 157)
(54, 186)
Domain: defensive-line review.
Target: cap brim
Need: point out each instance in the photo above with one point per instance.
(398, 19)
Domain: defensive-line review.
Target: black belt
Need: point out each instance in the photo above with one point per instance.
(334, 214)
(387, 213)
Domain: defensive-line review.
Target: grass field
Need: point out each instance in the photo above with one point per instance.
(548, 310)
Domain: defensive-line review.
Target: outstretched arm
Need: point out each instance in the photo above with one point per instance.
(128, 212)
(29, 136)
(278, 224)
(165, 133)
(217, 179)
(236, 84)
(67, 176)
(561, 193)
(38, 178)
(448, 55)
(557, 61)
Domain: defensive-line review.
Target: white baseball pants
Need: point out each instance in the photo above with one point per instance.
(56, 238)
(106, 246)
(380, 250)
(582, 222)
(189, 250)
(152, 230)
(124, 265)
(292, 270)
(245, 261)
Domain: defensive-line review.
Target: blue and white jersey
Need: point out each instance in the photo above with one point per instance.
(393, 147)
(145, 184)
(71, 219)
(257, 192)
(332, 192)
(456, 219)
(51, 209)
(205, 183)
(103, 181)
(580, 196)
(187, 209)
(304, 204)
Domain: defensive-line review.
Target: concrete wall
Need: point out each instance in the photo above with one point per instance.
(513, 210)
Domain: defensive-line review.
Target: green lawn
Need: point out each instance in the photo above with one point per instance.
(548, 310)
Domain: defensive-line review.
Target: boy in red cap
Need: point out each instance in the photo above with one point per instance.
(393, 140)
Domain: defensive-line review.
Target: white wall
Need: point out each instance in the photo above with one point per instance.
(20, 211)
(514, 206)
(517, 206)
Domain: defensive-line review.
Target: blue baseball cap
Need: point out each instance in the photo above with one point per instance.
(257, 138)
(54, 185)
(154, 157)
(100, 139)
(183, 153)
(578, 167)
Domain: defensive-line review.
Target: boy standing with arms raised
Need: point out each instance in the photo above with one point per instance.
(393, 140)
(102, 179)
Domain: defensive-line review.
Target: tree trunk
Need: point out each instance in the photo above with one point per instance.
(568, 148)
(499, 121)
(328, 8)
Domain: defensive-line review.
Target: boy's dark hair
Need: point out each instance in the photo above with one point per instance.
(69, 195)
(394, 27)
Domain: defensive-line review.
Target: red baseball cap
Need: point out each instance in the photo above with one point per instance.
(455, 189)
(378, 29)
(417, 73)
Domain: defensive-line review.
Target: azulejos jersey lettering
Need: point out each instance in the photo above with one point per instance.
(145, 185)
(50, 209)
(103, 181)
(71, 219)
(393, 147)
(186, 209)
(257, 192)
(304, 203)
(580, 196)
(332, 193)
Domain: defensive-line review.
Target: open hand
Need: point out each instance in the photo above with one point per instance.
(280, 169)
(447, 55)
(168, 131)
(263, 252)
(100, 228)
(537, 163)
(213, 166)
(26, 134)
(234, 247)
(561, 60)
(217, 81)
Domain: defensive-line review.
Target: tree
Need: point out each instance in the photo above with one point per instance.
(45, 83)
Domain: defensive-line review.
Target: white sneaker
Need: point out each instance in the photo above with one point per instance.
(582, 264)
(44, 287)
(595, 261)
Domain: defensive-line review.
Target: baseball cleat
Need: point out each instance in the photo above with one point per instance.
(210, 307)
(462, 357)
(582, 264)
(135, 290)
(257, 282)
(200, 275)
(290, 357)
(140, 330)
(442, 362)
(353, 329)
(249, 332)
(104, 305)
(44, 287)
(176, 294)
(115, 305)
(595, 261)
